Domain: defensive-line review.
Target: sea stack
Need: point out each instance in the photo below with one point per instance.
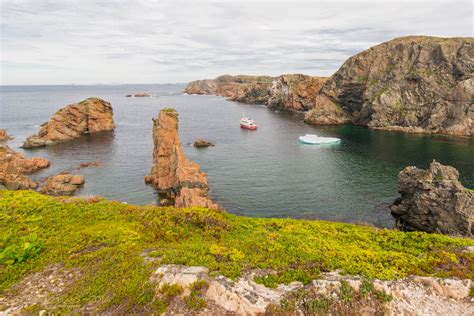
(434, 201)
(4, 135)
(92, 115)
(179, 181)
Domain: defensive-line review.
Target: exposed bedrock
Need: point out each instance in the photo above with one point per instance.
(415, 84)
(178, 181)
(4, 135)
(289, 92)
(92, 115)
(435, 201)
(15, 167)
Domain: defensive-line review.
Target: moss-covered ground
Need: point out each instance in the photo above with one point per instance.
(107, 239)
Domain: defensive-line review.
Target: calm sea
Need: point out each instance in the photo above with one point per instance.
(256, 173)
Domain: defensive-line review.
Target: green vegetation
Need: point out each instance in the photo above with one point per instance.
(195, 299)
(106, 240)
(170, 110)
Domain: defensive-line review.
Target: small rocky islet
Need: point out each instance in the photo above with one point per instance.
(189, 256)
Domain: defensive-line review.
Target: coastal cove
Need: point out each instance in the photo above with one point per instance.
(266, 173)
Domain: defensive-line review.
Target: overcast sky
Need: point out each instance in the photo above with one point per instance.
(138, 41)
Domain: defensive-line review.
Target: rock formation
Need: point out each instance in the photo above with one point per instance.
(62, 184)
(434, 201)
(289, 92)
(138, 95)
(245, 89)
(202, 143)
(414, 84)
(4, 135)
(295, 92)
(14, 168)
(89, 116)
(409, 296)
(179, 181)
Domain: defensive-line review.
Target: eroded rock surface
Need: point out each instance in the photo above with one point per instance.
(177, 180)
(92, 115)
(62, 184)
(409, 296)
(434, 201)
(202, 143)
(14, 168)
(414, 84)
(295, 92)
(4, 135)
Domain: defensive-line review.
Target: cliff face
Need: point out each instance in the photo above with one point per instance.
(434, 201)
(89, 116)
(177, 180)
(413, 84)
(289, 92)
(295, 92)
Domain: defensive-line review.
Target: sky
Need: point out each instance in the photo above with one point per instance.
(137, 41)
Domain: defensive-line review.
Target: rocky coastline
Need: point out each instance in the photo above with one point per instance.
(413, 84)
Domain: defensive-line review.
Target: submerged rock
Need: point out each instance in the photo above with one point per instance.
(201, 143)
(14, 168)
(62, 184)
(176, 179)
(4, 135)
(92, 115)
(415, 84)
(434, 201)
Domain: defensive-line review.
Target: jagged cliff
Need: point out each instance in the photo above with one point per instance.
(289, 92)
(434, 201)
(89, 116)
(414, 84)
(179, 181)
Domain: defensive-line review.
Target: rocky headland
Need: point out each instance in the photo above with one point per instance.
(15, 167)
(289, 92)
(435, 201)
(414, 84)
(179, 181)
(92, 115)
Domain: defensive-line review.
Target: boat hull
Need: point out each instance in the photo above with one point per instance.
(250, 127)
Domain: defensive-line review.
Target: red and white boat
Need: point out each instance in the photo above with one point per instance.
(247, 123)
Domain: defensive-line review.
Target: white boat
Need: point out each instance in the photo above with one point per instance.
(247, 123)
(313, 139)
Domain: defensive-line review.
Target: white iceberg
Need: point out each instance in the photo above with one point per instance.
(315, 139)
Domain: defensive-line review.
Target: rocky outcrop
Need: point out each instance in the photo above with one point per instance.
(434, 201)
(62, 184)
(89, 116)
(245, 89)
(178, 181)
(295, 92)
(14, 168)
(336, 294)
(414, 84)
(289, 92)
(138, 95)
(4, 135)
(202, 143)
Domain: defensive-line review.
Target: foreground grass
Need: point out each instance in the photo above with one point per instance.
(106, 240)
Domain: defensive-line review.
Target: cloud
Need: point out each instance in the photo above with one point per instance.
(60, 42)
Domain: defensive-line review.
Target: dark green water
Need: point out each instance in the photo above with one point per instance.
(262, 173)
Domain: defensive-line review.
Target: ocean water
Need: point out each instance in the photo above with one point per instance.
(264, 173)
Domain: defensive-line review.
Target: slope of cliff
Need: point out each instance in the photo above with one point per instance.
(414, 84)
(89, 255)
